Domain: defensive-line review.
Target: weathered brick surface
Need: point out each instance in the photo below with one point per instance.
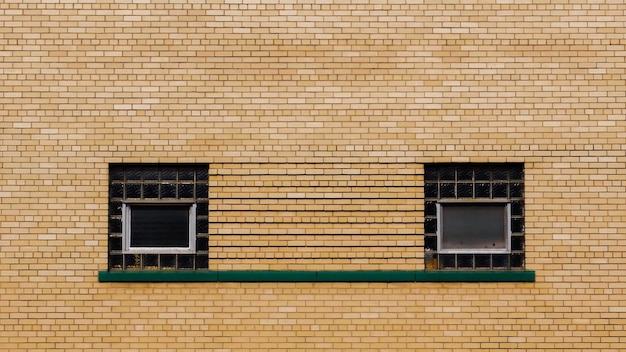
(316, 118)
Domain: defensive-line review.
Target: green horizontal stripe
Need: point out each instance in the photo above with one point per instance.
(316, 276)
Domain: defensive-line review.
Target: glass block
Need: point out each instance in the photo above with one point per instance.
(447, 190)
(116, 173)
(482, 174)
(116, 261)
(115, 243)
(500, 174)
(115, 208)
(430, 190)
(115, 225)
(151, 191)
(465, 190)
(202, 225)
(133, 191)
(167, 261)
(150, 261)
(431, 174)
(517, 260)
(517, 243)
(465, 261)
(516, 173)
(483, 190)
(202, 244)
(202, 262)
(517, 225)
(465, 174)
(482, 261)
(430, 225)
(202, 190)
(151, 174)
(133, 174)
(516, 189)
(186, 261)
(202, 208)
(500, 190)
(202, 174)
(185, 190)
(132, 261)
(430, 208)
(168, 190)
(168, 174)
(116, 190)
(447, 261)
(430, 243)
(431, 261)
(447, 173)
(186, 174)
(500, 261)
(517, 208)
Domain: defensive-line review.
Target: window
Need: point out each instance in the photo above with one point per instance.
(158, 217)
(474, 216)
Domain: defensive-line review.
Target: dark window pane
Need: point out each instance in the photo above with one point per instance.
(202, 174)
(482, 174)
(500, 190)
(517, 225)
(483, 190)
(151, 174)
(202, 209)
(483, 261)
(517, 243)
(465, 190)
(117, 174)
(115, 243)
(447, 173)
(430, 190)
(159, 226)
(517, 208)
(517, 173)
(168, 174)
(473, 226)
(516, 189)
(168, 261)
(117, 190)
(465, 260)
(168, 191)
(115, 225)
(447, 190)
(132, 261)
(202, 190)
(465, 174)
(500, 174)
(500, 261)
(115, 208)
(115, 262)
(185, 261)
(133, 174)
(185, 191)
(151, 191)
(133, 191)
(202, 226)
(517, 260)
(430, 208)
(447, 261)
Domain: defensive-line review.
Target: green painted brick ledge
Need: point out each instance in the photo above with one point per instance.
(316, 276)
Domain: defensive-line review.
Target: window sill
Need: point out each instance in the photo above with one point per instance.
(316, 276)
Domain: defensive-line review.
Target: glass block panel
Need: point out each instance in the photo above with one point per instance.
(202, 209)
(517, 260)
(430, 190)
(202, 190)
(500, 190)
(431, 174)
(202, 262)
(133, 174)
(465, 174)
(483, 190)
(132, 261)
(465, 190)
(447, 173)
(500, 261)
(116, 261)
(430, 225)
(167, 261)
(115, 225)
(447, 190)
(115, 208)
(430, 243)
(150, 261)
(483, 261)
(465, 261)
(447, 261)
(431, 261)
(516, 189)
(202, 244)
(516, 174)
(151, 174)
(517, 243)
(117, 190)
(517, 208)
(115, 243)
(133, 190)
(500, 174)
(202, 174)
(482, 174)
(185, 190)
(186, 174)
(186, 261)
(517, 225)
(202, 225)
(168, 174)
(168, 190)
(430, 208)
(151, 191)
(117, 174)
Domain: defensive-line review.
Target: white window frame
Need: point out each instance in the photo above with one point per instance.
(126, 231)
(469, 202)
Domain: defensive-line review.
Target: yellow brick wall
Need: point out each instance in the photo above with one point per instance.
(288, 101)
